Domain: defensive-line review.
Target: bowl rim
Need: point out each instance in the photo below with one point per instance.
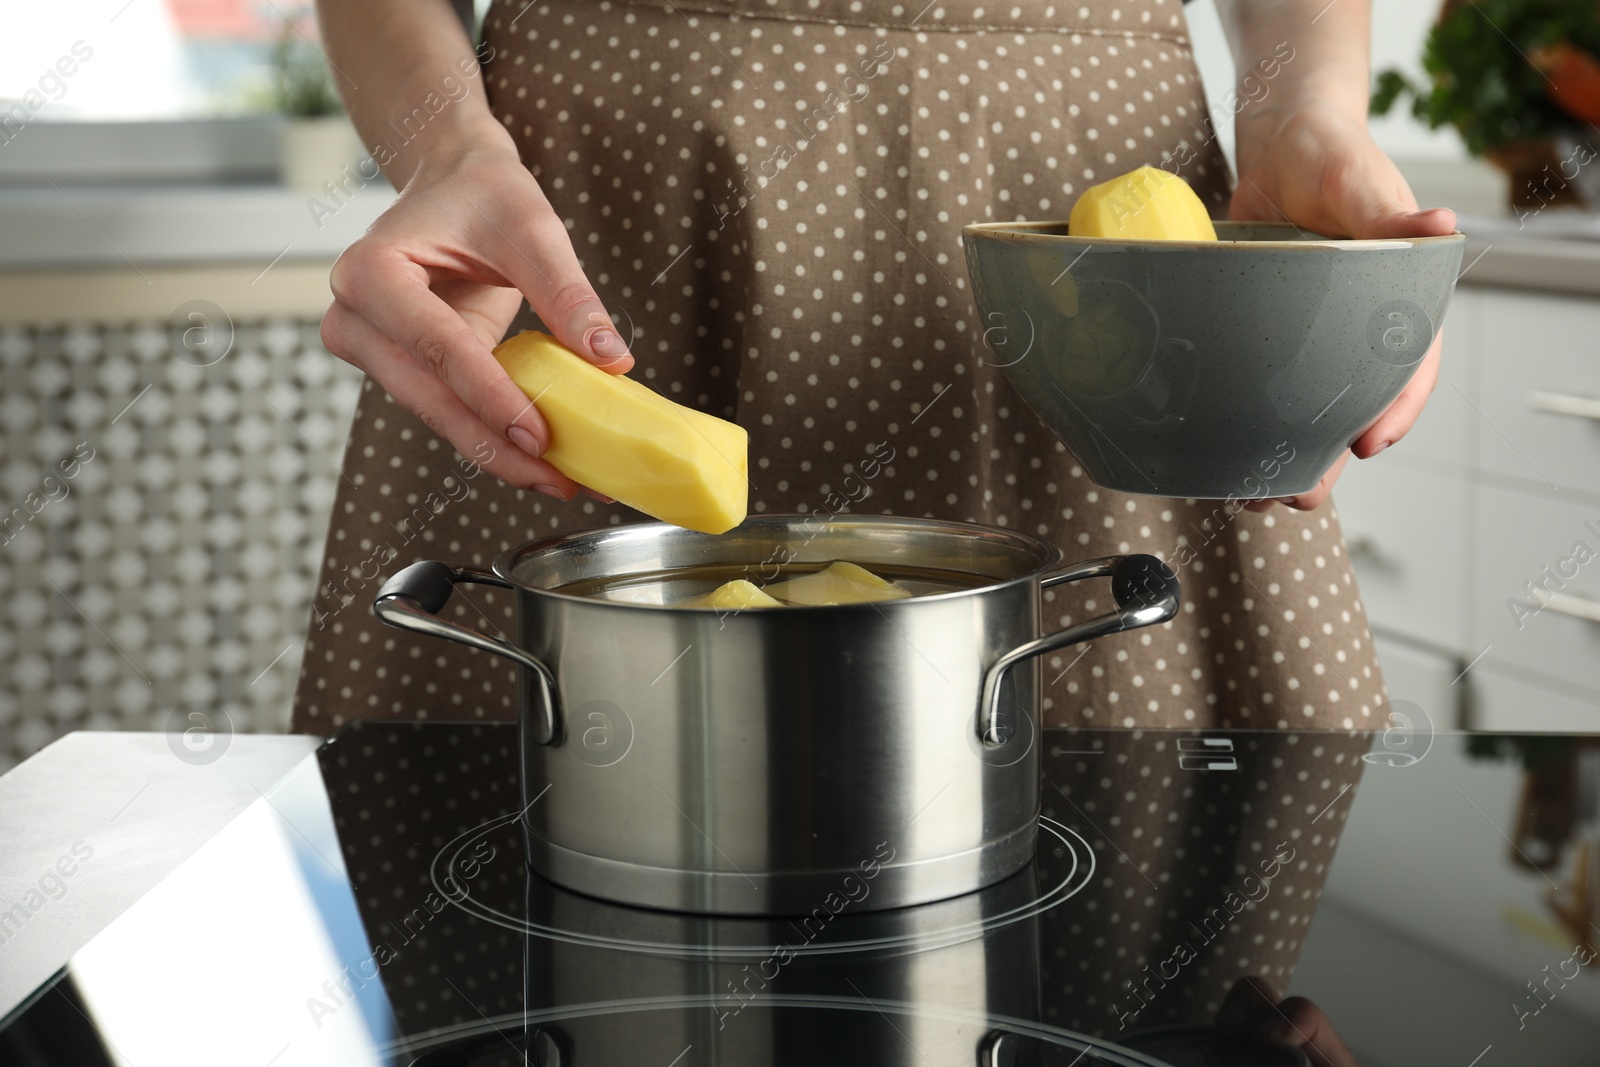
(1028, 233)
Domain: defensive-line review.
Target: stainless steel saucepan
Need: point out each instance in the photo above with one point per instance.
(749, 762)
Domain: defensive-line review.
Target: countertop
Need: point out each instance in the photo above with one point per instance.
(121, 227)
(92, 822)
(372, 898)
(1499, 254)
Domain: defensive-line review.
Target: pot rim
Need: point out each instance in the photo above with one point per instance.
(1050, 555)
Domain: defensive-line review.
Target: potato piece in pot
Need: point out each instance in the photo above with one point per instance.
(733, 596)
(838, 583)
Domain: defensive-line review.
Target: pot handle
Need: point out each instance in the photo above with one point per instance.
(412, 600)
(1146, 591)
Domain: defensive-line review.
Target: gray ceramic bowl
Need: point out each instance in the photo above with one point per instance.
(1235, 369)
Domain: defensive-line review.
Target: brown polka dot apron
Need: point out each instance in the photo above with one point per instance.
(768, 195)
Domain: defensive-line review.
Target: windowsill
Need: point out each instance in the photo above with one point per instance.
(79, 226)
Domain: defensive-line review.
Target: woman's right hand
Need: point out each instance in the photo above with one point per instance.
(422, 298)
(1252, 1009)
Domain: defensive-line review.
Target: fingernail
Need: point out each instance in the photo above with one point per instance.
(524, 440)
(1381, 446)
(604, 342)
(1418, 214)
(550, 490)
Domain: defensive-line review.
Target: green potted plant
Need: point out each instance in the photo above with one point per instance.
(317, 140)
(1519, 81)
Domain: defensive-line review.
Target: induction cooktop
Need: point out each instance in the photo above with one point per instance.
(1431, 895)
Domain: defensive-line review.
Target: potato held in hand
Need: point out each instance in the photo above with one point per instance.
(620, 438)
(1147, 204)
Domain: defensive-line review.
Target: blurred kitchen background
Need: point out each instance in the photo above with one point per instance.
(162, 273)
(171, 430)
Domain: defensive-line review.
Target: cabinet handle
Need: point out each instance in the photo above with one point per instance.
(1581, 407)
(1577, 607)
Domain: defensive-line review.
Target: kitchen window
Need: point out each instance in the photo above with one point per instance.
(148, 91)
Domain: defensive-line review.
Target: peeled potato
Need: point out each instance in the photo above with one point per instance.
(621, 438)
(1148, 204)
(838, 583)
(734, 596)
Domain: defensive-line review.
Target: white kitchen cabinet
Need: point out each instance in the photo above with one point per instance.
(1406, 512)
(1443, 433)
(1553, 631)
(1540, 383)
(1426, 678)
(1501, 702)
(1405, 527)
(1483, 495)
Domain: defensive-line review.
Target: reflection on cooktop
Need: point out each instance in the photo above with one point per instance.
(375, 907)
(1161, 929)
(1064, 865)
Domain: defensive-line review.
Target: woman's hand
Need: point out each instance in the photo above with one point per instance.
(1305, 157)
(1318, 167)
(428, 291)
(1251, 1009)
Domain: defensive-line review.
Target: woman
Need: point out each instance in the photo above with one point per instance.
(754, 206)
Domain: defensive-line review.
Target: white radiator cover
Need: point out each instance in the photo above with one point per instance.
(161, 523)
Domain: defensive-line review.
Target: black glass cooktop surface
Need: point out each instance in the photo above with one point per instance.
(1431, 897)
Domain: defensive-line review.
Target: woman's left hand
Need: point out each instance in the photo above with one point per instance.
(1318, 167)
